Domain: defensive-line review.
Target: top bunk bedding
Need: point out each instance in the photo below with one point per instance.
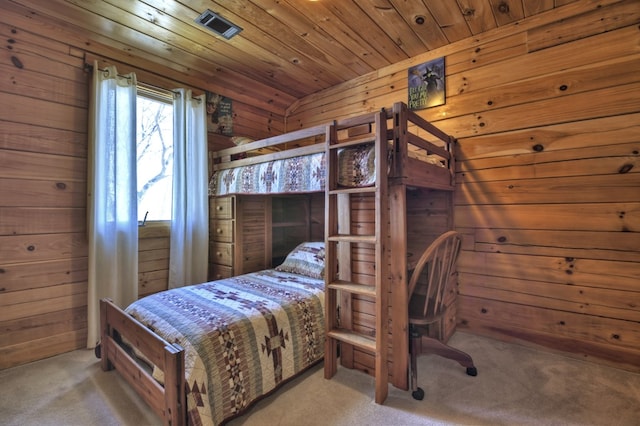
(296, 175)
(299, 174)
(418, 154)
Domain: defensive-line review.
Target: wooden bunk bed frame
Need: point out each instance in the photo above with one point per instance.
(402, 132)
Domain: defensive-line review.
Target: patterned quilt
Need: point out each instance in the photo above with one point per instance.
(297, 174)
(243, 336)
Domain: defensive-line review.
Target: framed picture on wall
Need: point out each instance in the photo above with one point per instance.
(219, 114)
(426, 85)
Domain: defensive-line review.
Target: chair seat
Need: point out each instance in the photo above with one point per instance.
(416, 312)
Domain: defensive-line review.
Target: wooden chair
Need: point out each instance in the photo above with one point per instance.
(426, 305)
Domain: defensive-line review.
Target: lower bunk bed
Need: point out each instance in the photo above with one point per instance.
(202, 354)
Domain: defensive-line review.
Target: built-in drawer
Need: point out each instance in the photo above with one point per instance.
(221, 230)
(450, 292)
(221, 208)
(449, 322)
(221, 253)
(218, 272)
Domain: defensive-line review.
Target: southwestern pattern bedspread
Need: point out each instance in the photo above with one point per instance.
(242, 336)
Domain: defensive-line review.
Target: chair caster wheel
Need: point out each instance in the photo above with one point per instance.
(98, 351)
(418, 394)
(472, 371)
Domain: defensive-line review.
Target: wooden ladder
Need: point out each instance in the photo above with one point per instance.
(340, 283)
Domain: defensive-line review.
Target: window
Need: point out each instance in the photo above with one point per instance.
(154, 154)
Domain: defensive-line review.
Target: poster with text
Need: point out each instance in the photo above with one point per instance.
(426, 85)
(219, 114)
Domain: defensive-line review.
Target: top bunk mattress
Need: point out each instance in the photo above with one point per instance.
(297, 174)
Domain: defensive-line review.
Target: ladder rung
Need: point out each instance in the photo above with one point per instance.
(358, 340)
(358, 190)
(362, 289)
(371, 239)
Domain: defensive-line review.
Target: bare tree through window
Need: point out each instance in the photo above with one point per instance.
(155, 158)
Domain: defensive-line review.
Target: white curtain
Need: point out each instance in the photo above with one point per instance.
(112, 194)
(189, 222)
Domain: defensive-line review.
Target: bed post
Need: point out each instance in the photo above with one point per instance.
(174, 393)
(105, 331)
(398, 266)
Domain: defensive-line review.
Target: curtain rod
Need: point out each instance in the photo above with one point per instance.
(147, 85)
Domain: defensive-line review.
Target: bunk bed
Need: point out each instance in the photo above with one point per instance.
(382, 174)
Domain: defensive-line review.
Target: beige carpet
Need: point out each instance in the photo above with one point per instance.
(514, 386)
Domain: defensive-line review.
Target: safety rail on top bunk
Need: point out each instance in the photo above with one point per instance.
(271, 148)
(409, 132)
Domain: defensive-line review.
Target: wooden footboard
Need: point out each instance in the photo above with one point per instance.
(168, 401)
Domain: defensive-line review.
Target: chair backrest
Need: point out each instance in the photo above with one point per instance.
(435, 266)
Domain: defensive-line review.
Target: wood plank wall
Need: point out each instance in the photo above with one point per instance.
(547, 116)
(43, 166)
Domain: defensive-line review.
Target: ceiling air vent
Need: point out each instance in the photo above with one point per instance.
(218, 24)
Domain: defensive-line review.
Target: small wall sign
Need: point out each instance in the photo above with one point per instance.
(219, 114)
(426, 85)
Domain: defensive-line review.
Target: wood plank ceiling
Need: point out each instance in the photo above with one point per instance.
(288, 48)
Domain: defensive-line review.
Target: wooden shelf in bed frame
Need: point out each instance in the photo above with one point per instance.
(239, 235)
